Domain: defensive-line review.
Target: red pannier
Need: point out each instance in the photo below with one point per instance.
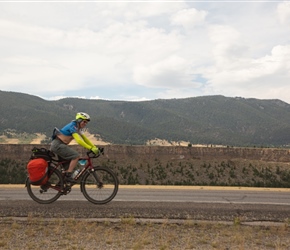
(37, 171)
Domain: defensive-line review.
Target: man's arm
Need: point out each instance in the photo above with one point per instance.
(87, 141)
(81, 142)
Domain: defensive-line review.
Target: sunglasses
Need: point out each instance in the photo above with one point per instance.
(85, 122)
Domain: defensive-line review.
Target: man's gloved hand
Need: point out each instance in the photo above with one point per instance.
(95, 150)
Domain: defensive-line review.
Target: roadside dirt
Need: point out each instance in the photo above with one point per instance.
(148, 210)
(142, 225)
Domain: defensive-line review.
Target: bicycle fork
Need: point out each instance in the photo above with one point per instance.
(99, 182)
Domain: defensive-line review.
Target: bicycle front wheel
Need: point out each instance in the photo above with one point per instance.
(48, 192)
(99, 185)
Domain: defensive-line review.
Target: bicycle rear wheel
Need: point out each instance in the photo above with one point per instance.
(99, 185)
(49, 192)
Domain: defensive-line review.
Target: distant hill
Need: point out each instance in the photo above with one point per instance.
(199, 120)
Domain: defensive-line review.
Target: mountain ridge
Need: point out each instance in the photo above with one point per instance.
(231, 121)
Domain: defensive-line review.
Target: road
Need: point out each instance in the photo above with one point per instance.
(195, 203)
(228, 195)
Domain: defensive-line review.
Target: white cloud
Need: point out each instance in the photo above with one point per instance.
(172, 72)
(228, 47)
(265, 77)
(188, 18)
(86, 54)
(283, 10)
(129, 12)
(169, 49)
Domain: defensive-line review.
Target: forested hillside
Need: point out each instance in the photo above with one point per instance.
(199, 120)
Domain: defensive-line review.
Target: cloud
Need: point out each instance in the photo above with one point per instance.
(260, 78)
(228, 47)
(171, 72)
(283, 11)
(84, 56)
(142, 51)
(188, 18)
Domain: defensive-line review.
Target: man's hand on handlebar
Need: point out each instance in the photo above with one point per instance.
(97, 151)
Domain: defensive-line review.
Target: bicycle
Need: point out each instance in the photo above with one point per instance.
(99, 185)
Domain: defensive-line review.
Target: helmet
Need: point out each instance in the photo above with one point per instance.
(83, 116)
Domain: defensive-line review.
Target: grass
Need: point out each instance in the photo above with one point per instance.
(38, 233)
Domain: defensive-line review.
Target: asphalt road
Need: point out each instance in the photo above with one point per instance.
(227, 195)
(183, 203)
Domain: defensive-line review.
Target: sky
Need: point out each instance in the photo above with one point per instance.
(145, 50)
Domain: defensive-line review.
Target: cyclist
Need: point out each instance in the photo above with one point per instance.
(62, 137)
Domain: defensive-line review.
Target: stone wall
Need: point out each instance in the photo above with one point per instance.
(148, 153)
(156, 165)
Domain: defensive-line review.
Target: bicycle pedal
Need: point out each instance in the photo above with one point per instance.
(66, 190)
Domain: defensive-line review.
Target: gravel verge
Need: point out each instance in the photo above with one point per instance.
(147, 210)
(142, 225)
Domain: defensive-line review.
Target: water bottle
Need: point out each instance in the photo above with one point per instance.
(75, 173)
(81, 164)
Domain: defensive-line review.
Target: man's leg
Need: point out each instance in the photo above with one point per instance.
(67, 153)
(72, 165)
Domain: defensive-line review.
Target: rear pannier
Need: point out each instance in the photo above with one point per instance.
(37, 171)
(37, 166)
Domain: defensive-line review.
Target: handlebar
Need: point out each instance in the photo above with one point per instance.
(91, 154)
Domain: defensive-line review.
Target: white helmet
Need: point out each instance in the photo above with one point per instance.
(83, 116)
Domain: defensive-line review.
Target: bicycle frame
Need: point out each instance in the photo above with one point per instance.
(56, 164)
(89, 166)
